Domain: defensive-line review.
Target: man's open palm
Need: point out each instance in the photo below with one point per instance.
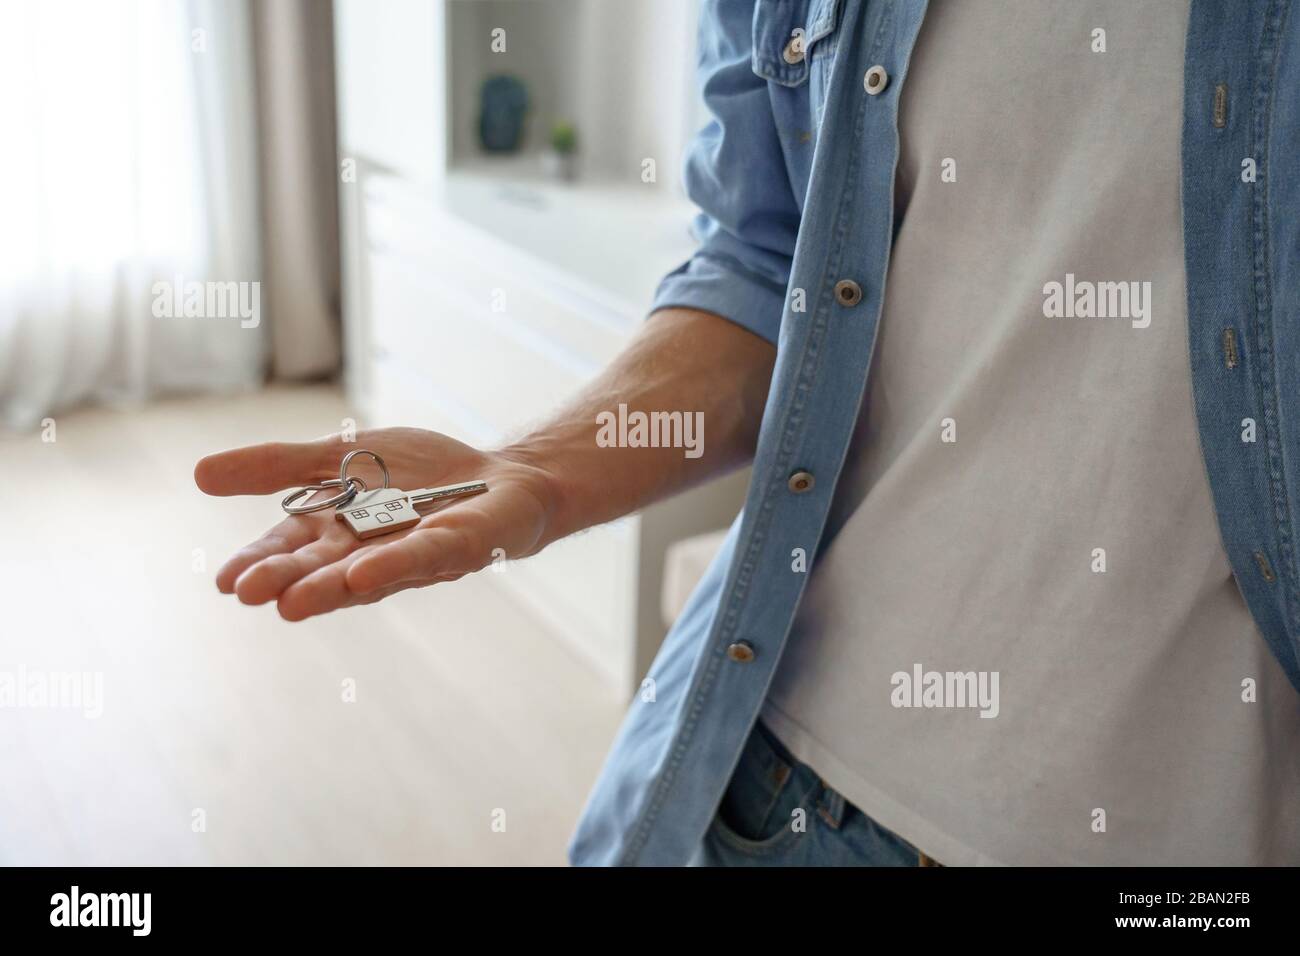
(312, 564)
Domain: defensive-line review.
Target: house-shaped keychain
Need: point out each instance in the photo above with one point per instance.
(378, 512)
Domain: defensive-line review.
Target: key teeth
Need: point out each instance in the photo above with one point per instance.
(444, 492)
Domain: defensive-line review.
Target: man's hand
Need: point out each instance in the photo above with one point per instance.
(311, 564)
(556, 481)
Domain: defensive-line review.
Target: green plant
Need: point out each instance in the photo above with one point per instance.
(564, 138)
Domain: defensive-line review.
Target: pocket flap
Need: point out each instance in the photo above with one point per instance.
(777, 23)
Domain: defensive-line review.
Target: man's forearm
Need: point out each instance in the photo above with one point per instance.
(681, 361)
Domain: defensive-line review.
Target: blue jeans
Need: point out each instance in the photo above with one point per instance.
(778, 812)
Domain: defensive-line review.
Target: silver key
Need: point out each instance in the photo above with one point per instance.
(385, 510)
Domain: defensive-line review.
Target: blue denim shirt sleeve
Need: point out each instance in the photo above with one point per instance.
(736, 174)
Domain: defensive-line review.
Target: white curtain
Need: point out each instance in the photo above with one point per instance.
(127, 158)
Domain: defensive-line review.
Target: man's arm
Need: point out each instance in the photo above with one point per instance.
(707, 348)
(554, 482)
(682, 360)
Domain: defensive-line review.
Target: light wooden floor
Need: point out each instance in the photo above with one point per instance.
(464, 706)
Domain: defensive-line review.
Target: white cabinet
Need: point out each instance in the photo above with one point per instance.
(391, 91)
(479, 295)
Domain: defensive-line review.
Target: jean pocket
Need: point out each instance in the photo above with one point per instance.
(768, 787)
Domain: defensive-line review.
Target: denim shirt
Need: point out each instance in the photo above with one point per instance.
(794, 177)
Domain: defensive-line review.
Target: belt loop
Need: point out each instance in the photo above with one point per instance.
(830, 805)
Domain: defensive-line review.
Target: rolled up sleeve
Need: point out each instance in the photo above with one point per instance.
(736, 174)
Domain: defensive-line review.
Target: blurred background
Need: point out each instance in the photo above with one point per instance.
(230, 221)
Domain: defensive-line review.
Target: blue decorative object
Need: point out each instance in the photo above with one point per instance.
(504, 101)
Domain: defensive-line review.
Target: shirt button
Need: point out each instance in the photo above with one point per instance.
(875, 80)
(793, 52)
(848, 292)
(742, 652)
(801, 481)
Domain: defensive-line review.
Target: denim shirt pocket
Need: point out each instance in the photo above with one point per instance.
(798, 89)
(809, 24)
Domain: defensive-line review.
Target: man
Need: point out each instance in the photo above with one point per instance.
(1016, 581)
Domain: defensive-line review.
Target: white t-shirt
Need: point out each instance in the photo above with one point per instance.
(1063, 549)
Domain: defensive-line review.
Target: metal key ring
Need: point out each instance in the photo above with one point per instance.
(347, 494)
(347, 459)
